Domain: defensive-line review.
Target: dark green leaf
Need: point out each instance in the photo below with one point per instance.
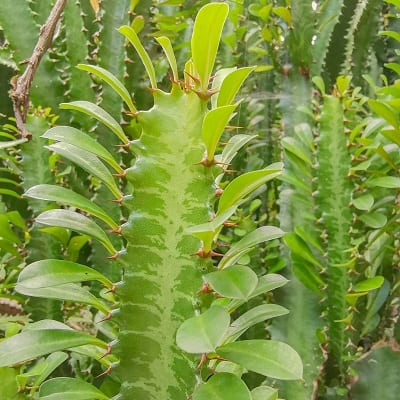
(77, 222)
(67, 134)
(45, 273)
(374, 220)
(70, 389)
(264, 393)
(203, 333)
(112, 80)
(70, 198)
(260, 235)
(88, 162)
(254, 316)
(222, 386)
(266, 357)
(36, 343)
(236, 282)
(66, 291)
(94, 111)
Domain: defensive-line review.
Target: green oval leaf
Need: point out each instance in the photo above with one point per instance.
(243, 246)
(205, 40)
(203, 333)
(31, 344)
(76, 222)
(88, 162)
(69, 389)
(236, 282)
(213, 126)
(67, 291)
(374, 220)
(96, 112)
(266, 357)
(70, 198)
(45, 273)
(67, 134)
(254, 316)
(246, 183)
(364, 202)
(222, 386)
(265, 284)
(390, 182)
(369, 284)
(264, 393)
(112, 80)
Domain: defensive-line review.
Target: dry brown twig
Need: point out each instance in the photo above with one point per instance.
(21, 86)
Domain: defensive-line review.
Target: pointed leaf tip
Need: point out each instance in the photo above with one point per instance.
(206, 36)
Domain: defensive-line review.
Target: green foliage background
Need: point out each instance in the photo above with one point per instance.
(324, 100)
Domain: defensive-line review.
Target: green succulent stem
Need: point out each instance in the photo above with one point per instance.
(334, 199)
(171, 193)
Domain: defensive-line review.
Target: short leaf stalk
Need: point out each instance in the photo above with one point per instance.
(170, 327)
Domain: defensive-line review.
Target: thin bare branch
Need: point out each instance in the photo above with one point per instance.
(21, 86)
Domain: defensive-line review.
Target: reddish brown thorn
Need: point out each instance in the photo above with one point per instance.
(106, 318)
(117, 230)
(206, 288)
(125, 145)
(197, 80)
(106, 372)
(218, 358)
(172, 80)
(118, 201)
(230, 224)
(218, 192)
(112, 290)
(205, 94)
(203, 359)
(233, 127)
(209, 163)
(120, 174)
(215, 254)
(202, 254)
(230, 171)
(114, 256)
(350, 328)
(131, 114)
(151, 89)
(108, 352)
(127, 59)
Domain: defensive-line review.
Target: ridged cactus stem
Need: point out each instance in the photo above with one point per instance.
(334, 198)
(171, 193)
